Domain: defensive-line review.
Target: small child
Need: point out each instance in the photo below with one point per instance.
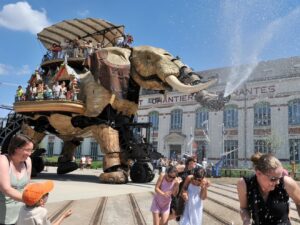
(35, 196)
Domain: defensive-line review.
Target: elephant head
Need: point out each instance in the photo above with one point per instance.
(156, 69)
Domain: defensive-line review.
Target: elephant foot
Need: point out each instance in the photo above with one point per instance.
(116, 177)
(66, 167)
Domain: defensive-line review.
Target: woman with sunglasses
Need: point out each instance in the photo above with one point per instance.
(166, 186)
(15, 170)
(264, 197)
(194, 191)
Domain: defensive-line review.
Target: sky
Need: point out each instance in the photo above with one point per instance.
(205, 34)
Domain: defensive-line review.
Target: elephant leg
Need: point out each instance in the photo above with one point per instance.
(108, 139)
(66, 160)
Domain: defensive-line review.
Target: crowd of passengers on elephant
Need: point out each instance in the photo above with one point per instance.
(42, 91)
(81, 48)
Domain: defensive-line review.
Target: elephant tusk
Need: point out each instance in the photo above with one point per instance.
(177, 85)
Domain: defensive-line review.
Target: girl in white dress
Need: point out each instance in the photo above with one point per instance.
(193, 192)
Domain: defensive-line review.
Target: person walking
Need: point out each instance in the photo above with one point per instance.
(264, 197)
(166, 186)
(15, 170)
(193, 193)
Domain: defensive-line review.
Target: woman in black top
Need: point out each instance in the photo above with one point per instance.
(264, 197)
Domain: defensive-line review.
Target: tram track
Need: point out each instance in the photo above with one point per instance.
(221, 207)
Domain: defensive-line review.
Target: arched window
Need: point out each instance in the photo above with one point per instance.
(294, 112)
(201, 118)
(154, 119)
(176, 119)
(262, 114)
(230, 117)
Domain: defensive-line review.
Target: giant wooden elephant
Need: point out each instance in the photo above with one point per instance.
(109, 88)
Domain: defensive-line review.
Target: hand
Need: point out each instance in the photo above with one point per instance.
(167, 193)
(178, 180)
(67, 213)
(205, 184)
(185, 196)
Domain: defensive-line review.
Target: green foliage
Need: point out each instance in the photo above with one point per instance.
(52, 161)
(96, 164)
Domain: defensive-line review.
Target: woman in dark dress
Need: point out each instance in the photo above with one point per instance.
(264, 197)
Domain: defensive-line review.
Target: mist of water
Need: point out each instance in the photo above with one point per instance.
(236, 16)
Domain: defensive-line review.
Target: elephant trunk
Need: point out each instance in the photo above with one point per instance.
(212, 101)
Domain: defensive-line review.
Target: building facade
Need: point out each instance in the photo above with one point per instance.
(263, 115)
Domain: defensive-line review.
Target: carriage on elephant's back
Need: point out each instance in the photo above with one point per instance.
(95, 93)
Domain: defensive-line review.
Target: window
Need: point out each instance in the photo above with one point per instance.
(78, 151)
(176, 119)
(230, 117)
(262, 146)
(262, 114)
(202, 147)
(94, 150)
(154, 145)
(294, 150)
(201, 119)
(154, 119)
(231, 160)
(294, 112)
(50, 149)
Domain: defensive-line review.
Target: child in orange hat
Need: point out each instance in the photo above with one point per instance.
(35, 196)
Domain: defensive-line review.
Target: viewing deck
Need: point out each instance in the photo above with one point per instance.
(49, 106)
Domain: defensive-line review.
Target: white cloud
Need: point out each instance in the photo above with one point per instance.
(20, 16)
(83, 13)
(10, 70)
(24, 70)
(4, 69)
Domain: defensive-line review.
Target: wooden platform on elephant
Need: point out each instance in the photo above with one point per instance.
(76, 107)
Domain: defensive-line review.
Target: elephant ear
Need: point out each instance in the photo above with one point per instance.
(111, 67)
(149, 61)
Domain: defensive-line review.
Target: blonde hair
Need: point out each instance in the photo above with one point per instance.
(265, 162)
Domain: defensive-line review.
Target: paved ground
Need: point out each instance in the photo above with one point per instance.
(84, 184)
(94, 203)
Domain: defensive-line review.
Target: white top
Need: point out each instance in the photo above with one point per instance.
(33, 216)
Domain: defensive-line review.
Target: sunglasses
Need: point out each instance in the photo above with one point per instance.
(171, 177)
(273, 178)
(198, 179)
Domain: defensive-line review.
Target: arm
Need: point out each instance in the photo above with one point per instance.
(293, 191)
(5, 186)
(185, 186)
(176, 186)
(29, 166)
(204, 185)
(242, 194)
(158, 184)
(62, 217)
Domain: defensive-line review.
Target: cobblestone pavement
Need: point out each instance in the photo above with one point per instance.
(94, 203)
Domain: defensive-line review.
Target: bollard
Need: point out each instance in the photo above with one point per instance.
(293, 173)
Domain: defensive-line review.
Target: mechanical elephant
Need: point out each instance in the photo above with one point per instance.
(110, 84)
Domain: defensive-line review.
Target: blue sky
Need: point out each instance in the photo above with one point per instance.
(206, 34)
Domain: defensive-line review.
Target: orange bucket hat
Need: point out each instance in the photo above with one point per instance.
(33, 192)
